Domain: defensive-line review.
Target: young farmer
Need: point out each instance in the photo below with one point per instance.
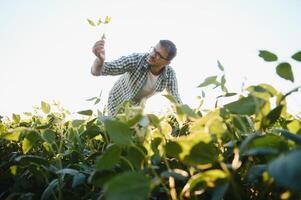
(142, 74)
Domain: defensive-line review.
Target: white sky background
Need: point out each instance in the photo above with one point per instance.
(45, 47)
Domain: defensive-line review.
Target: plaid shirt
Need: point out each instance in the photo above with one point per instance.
(134, 69)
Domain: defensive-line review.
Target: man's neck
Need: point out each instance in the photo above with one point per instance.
(156, 70)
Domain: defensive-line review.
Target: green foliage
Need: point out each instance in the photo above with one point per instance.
(268, 56)
(208, 81)
(246, 149)
(109, 158)
(128, 186)
(119, 132)
(284, 70)
(286, 171)
(98, 23)
(245, 106)
(45, 107)
(85, 112)
(297, 56)
(97, 99)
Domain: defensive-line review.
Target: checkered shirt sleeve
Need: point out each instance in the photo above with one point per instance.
(121, 65)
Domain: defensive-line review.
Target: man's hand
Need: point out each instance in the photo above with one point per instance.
(99, 50)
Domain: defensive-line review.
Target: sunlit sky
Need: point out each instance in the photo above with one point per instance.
(45, 47)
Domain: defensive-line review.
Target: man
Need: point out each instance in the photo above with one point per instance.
(143, 74)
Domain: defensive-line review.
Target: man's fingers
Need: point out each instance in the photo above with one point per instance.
(99, 52)
(100, 42)
(98, 48)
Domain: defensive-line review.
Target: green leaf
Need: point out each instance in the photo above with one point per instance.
(223, 80)
(16, 118)
(135, 157)
(224, 88)
(50, 190)
(45, 107)
(97, 101)
(173, 149)
(91, 122)
(294, 126)
(286, 170)
(170, 98)
(107, 19)
(119, 132)
(230, 94)
(11, 136)
(241, 122)
(284, 70)
(155, 121)
(85, 112)
(31, 159)
(78, 179)
(256, 88)
(272, 117)
(49, 136)
(217, 127)
(128, 186)
(99, 178)
(91, 132)
(134, 120)
(91, 99)
(91, 22)
(202, 153)
(99, 22)
(184, 109)
(288, 135)
(109, 158)
(269, 141)
(29, 141)
(267, 56)
(297, 56)
(244, 145)
(206, 178)
(78, 123)
(220, 66)
(245, 106)
(203, 94)
(209, 80)
(260, 151)
(270, 89)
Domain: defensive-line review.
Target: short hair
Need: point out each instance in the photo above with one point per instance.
(170, 47)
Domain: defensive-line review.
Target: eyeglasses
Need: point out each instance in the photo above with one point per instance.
(157, 54)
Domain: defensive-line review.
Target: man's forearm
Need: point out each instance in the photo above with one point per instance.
(97, 67)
